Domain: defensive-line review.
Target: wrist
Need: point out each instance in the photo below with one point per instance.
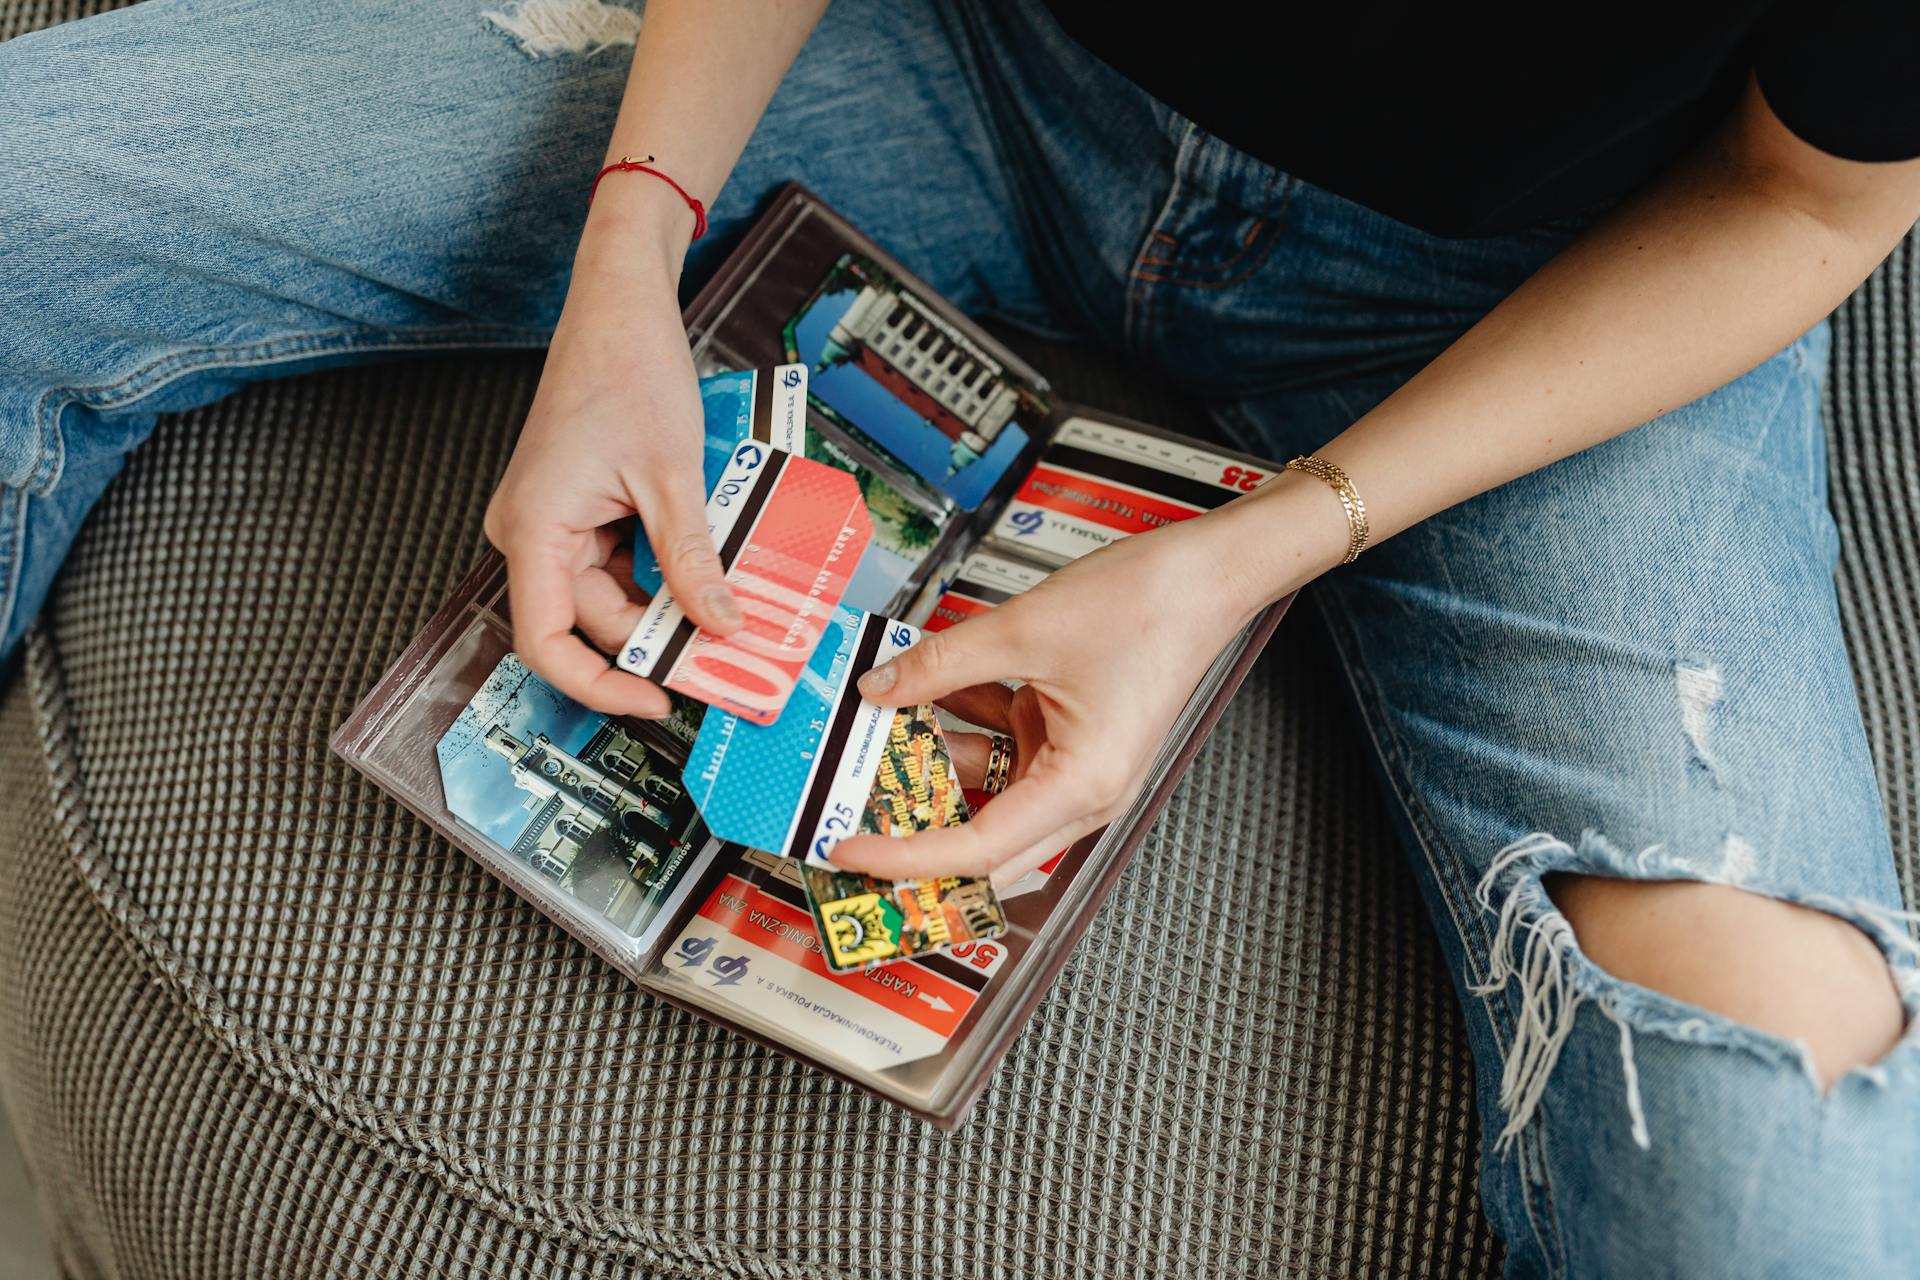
(637, 225)
(1278, 539)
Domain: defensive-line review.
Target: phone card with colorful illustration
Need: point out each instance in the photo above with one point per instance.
(915, 787)
(769, 406)
(789, 532)
(751, 945)
(864, 922)
(1097, 482)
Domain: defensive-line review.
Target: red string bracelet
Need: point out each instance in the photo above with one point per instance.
(633, 165)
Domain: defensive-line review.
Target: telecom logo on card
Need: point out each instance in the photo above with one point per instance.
(1098, 482)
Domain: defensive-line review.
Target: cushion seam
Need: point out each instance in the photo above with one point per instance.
(406, 1143)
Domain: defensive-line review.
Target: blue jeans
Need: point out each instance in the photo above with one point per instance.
(1629, 663)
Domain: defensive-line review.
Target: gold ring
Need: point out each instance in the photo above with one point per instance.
(999, 765)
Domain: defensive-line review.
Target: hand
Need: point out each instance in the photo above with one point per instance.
(1108, 650)
(615, 431)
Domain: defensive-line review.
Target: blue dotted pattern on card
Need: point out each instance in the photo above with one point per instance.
(748, 780)
(726, 404)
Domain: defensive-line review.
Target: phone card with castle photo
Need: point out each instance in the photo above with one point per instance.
(583, 800)
(887, 366)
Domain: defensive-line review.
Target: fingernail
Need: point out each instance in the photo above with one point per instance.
(878, 680)
(722, 607)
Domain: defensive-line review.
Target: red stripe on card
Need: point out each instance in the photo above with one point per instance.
(953, 609)
(1128, 510)
(905, 989)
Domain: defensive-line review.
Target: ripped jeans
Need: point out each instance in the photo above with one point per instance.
(1629, 663)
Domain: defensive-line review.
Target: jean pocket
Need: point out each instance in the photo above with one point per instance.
(29, 439)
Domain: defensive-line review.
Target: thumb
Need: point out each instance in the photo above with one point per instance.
(974, 652)
(676, 528)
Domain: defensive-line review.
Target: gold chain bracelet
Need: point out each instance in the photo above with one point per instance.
(1349, 497)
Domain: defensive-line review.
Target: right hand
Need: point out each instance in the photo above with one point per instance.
(615, 431)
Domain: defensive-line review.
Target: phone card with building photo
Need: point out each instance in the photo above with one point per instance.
(888, 367)
(578, 797)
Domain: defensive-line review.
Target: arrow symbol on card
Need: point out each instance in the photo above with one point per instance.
(936, 1002)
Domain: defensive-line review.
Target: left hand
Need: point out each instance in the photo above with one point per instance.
(1108, 650)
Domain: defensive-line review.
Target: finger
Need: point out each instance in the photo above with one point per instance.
(619, 567)
(970, 752)
(604, 610)
(540, 597)
(1035, 856)
(606, 541)
(676, 528)
(1027, 722)
(1025, 814)
(977, 651)
(981, 704)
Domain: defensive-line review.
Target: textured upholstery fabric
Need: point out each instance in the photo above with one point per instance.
(255, 1020)
(255, 1011)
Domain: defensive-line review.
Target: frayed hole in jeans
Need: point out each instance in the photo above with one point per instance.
(551, 28)
(1823, 987)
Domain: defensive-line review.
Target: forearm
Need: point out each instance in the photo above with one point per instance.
(1693, 282)
(703, 72)
(614, 429)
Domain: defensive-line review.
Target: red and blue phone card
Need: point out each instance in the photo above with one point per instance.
(789, 532)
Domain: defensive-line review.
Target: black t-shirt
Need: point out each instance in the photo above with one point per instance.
(1469, 120)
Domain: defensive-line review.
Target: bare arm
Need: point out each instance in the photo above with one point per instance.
(615, 429)
(1692, 282)
(703, 72)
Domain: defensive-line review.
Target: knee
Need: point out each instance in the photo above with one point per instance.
(1782, 968)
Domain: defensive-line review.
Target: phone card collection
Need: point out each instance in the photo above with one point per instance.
(874, 463)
